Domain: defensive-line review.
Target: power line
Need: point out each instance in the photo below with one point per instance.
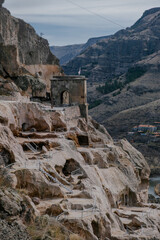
(94, 13)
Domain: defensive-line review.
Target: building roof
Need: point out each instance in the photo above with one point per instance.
(144, 126)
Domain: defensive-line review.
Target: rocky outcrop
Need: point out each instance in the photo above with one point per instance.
(16, 211)
(97, 191)
(157, 189)
(25, 57)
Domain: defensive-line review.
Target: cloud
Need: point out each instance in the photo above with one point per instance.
(68, 15)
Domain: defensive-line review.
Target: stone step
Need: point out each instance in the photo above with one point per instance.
(38, 135)
(70, 205)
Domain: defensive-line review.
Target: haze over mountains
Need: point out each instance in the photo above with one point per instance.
(68, 52)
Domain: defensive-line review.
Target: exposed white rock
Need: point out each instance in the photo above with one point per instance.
(98, 190)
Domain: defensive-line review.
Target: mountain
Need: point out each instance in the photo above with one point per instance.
(67, 53)
(112, 56)
(23, 54)
(124, 81)
(129, 65)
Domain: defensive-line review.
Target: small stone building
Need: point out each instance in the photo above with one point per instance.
(69, 91)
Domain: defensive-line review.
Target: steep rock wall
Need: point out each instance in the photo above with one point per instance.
(22, 51)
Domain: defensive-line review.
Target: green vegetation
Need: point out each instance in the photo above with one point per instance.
(134, 73)
(95, 104)
(110, 87)
(131, 75)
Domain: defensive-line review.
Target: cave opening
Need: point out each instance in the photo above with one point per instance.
(70, 166)
(6, 158)
(83, 140)
(96, 229)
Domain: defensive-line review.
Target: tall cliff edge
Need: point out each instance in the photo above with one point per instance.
(23, 52)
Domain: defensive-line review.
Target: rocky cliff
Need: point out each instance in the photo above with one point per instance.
(64, 178)
(67, 53)
(24, 54)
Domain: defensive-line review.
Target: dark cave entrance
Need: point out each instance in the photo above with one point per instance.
(83, 140)
(6, 158)
(96, 229)
(70, 166)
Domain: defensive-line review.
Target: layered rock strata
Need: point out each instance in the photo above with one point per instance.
(73, 173)
(26, 62)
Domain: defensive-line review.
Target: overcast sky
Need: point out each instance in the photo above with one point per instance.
(75, 21)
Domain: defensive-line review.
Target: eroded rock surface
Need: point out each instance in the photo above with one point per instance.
(76, 173)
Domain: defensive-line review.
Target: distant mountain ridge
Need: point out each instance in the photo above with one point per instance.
(112, 56)
(68, 52)
(120, 58)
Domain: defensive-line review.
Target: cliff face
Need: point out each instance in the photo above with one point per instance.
(23, 52)
(68, 177)
(31, 49)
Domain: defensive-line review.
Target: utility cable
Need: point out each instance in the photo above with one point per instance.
(94, 13)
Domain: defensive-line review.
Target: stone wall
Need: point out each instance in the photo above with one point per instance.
(70, 90)
(74, 85)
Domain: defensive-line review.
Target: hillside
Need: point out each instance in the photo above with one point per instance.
(112, 56)
(124, 80)
(67, 53)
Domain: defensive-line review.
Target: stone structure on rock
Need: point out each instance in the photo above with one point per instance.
(70, 90)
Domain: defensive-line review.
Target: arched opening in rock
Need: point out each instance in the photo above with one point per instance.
(83, 140)
(48, 96)
(132, 198)
(65, 98)
(6, 157)
(70, 166)
(96, 229)
(24, 127)
(125, 200)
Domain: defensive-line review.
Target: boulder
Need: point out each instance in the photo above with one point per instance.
(36, 200)
(36, 184)
(7, 179)
(157, 189)
(10, 150)
(54, 210)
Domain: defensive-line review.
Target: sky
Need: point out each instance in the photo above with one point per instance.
(65, 22)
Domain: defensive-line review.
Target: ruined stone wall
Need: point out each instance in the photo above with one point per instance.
(75, 86)
(75, 90)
